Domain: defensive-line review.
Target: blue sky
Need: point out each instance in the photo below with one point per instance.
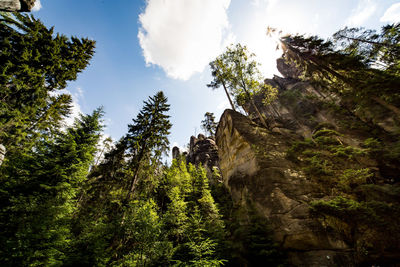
(147, 46)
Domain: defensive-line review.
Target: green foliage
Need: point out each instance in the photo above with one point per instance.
(144, 241)
(347, 67)
(252, 242)
(317, 166)
(348, 152)
(290, 95)
(35, 64)
(297, 147)
(350, 179)
(355, 213)
(270, 94)
(369, 226)
(347, 210)
(237, 71)
(373, 48)
(39, 191)
(325, 132)
(61, 206)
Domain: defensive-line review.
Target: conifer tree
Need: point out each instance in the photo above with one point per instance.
(36, 63)
(38, 191)
(208, 124)
(344, 73)
(379, 49)
(147, 137)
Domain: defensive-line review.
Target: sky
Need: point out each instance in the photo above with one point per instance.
(144, 46)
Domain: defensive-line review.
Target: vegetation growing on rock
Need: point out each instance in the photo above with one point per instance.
(317, 184)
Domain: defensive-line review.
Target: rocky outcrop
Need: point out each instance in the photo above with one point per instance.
(323, 175)
(254, 168)
(202, 150)
(288, 70)
(17, 5)
(2, 153)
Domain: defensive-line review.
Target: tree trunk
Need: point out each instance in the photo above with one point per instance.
(367, 41)
(263, 122)
(17, 5)
(382, 102)
(229, 97)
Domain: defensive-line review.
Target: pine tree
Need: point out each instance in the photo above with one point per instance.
(39, 191)
(379, 49)
(36, 63)
(118, 188)
(343, 73)
(208, 124)
(147, 137)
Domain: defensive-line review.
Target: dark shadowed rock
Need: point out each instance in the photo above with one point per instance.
(17, 5)
(254, 167)
(287, 70)
(175, 152)
(203, 151)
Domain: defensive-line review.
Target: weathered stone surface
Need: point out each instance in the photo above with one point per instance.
(2, 153)
(175, 152)
(254, 167)
(287, 70)
(17, 5)
(203, 151)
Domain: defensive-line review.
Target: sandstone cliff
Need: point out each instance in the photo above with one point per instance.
(325, 179)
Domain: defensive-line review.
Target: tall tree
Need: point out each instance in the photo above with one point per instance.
(237, 71)
(36, 64)
(208, 124)
(38, 192)
(220, 74)
(377, 49)
(343, 73)
(147, 137)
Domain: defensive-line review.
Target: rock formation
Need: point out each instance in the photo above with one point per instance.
(17, 5)
(326, 179)
(254, 167)
(202, 151)
(315, 158)
(2, 153)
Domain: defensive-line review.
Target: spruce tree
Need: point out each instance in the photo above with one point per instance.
(36, 63)
(344, 73)
(38, 192)
(208, 124)
(147, 137)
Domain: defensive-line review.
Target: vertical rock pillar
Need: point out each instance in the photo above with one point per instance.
(2, 153)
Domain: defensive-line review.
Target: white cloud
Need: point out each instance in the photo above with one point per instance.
(183, 36)
(77, 95)
(37, 6)
(364, 10)
(392, 14)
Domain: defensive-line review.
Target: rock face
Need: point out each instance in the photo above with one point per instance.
(2, 153)
(202, 151)
(254, 167)
(286, 69)
(330, 195)
(17, 5)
